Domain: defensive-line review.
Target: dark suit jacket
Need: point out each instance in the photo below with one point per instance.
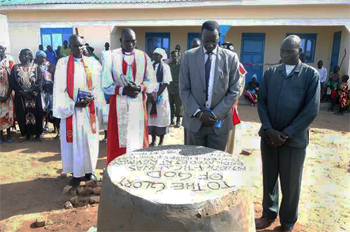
(192, 87)
(289, 103)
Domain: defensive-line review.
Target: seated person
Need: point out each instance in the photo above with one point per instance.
(332, 84)
(251, 91)
(341, 96)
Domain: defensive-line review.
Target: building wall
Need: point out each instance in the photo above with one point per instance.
(23, 37)
(95, 36)
(4, 32)
(331, 12)
(28, 36)
(178, 35)
(274, 36)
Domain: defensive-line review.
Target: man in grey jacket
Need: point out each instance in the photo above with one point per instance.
(289, 98)
(209, 86)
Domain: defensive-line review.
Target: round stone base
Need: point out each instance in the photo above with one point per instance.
(175, 188)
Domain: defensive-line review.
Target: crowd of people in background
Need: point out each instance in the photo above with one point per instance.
(27, 89)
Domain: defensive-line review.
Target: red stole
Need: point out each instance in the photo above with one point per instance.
(113, 147)
(70, 91)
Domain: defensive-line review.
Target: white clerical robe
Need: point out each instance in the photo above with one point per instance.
(130, 113)
(80, 156)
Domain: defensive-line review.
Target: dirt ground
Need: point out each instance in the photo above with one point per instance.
(30, 183)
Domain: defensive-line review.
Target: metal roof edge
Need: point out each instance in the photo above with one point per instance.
(153, 5)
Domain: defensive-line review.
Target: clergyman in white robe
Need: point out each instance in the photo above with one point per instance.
(80, 156)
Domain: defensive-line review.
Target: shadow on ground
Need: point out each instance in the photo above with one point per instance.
(18, 198)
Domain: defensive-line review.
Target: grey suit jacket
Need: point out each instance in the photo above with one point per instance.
(225, 90)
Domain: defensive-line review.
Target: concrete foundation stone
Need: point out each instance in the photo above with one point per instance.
(175, 188)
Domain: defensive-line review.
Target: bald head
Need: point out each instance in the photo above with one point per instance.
(74, 38)
(76, 45)
(128, 40)
(291, 50)
(127, 32)
(292, 40)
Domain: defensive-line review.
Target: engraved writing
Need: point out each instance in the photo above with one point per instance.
(168, 170)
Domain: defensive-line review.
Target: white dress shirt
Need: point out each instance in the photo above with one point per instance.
(289, 68)
(211, 77)
(323, 74)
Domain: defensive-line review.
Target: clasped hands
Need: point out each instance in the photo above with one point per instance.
(275, 138)
(208, 119)
(131, 90)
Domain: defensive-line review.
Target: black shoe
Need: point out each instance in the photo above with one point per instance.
(177, 125)
(172, 122)
(91, 176)
(263, 223)
(75, 182)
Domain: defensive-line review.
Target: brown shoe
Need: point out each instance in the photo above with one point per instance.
(281, 229)
(263, 223)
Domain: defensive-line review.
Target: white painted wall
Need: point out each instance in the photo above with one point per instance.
(4, 32)
(95, 36)
(23, 37)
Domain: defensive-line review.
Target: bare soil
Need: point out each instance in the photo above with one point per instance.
(31, 186)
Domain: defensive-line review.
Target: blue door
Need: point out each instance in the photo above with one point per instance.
(190, 37)
(252, 54)
(157, 40)
(335, 50)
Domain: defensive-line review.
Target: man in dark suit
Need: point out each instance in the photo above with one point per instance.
(209, 86)
(289, 98)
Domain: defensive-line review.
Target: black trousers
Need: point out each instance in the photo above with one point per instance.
(287, 163)
(175, 105)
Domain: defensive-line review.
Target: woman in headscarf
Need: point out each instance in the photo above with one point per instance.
(6, 98)
(159, 109)
(41, 60)
(26, 81)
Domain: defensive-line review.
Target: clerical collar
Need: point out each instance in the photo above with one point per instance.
(128, 53)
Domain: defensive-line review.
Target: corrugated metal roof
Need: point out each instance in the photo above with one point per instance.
(42, 2)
